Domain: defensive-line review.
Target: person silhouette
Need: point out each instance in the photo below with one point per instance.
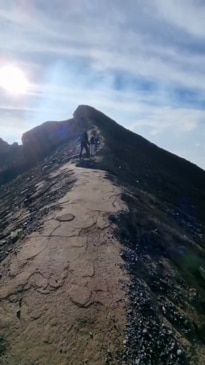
(84, 143)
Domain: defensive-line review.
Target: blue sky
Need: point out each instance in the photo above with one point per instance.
(140, 62)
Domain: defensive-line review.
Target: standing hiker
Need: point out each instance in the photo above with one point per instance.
(84, 143)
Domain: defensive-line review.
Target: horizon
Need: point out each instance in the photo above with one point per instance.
(140, 64)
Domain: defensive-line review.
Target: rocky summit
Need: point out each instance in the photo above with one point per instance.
(102, 259)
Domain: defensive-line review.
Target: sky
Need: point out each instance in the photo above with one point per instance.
(140, 62)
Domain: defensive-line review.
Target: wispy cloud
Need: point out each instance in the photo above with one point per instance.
(185, 14)
(143, 63)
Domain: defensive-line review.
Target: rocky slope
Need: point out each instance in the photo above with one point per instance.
(36, 144)
(101, 260)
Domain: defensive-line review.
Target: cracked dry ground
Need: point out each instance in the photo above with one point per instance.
(61, 301)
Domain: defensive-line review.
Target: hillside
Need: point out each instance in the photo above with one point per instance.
(162, 173)
(101, 259)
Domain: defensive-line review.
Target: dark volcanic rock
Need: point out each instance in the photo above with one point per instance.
(160, 313)
(4, 146)
(12, 161)
(162, 232)
(23, 203)
(136, 161)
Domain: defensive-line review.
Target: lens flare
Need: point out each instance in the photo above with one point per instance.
(13, 80)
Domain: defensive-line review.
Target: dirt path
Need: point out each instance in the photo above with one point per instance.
(61, 301)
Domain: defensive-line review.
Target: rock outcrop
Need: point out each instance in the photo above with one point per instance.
(43, 139)
(36, 144)
(12, 161)
(4, 146)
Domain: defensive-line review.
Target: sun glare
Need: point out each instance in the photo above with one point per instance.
(13, 80)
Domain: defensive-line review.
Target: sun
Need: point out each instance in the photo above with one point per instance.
(13, 80)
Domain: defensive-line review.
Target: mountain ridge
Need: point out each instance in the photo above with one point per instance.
(51, 134)
(117, 241)
(135, 158)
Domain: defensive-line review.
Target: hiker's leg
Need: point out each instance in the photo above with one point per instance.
(81, 150)
(87, 150)
(92, 149)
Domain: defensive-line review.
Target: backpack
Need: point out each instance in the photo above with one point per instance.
(92, 140)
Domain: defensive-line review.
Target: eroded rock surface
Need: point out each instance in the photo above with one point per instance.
(61, 299)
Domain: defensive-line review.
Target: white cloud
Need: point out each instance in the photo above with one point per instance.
(186, 14)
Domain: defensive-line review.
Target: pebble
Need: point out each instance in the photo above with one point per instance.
(150, 341)
(113, 217)
(179, 352)
(2, 242)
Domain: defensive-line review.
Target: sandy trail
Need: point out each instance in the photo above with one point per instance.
(61, 301)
